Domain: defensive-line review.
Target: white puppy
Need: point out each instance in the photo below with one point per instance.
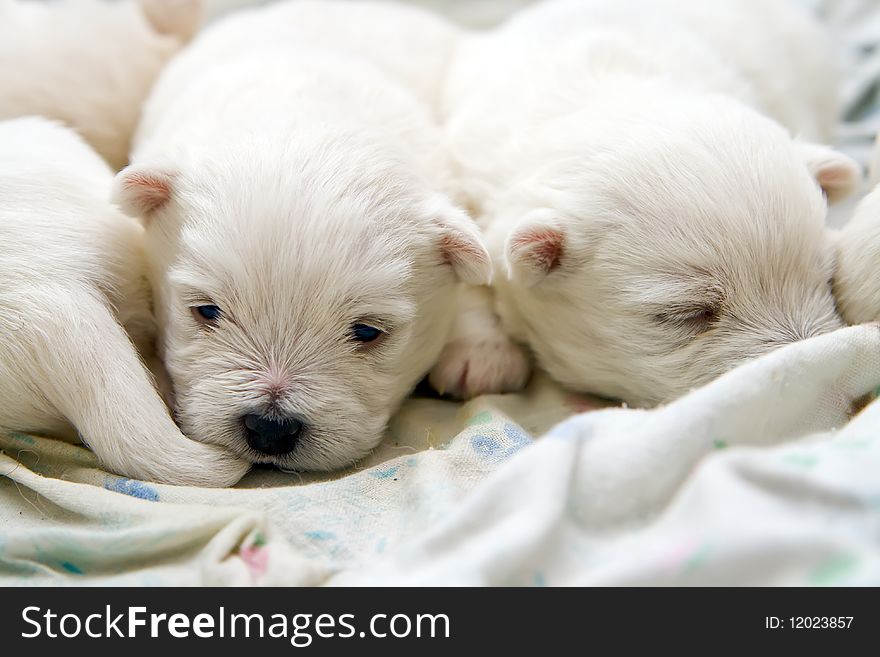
(88, 63)
(409, 44)
(857, 280)
(303, 262)
(651, 223)
(72, 292)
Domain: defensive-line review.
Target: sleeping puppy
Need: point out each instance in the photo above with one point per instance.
(410, 45)
(652, 219)
(74, 306)
(303, 261)
(857, 280)
(89, 63)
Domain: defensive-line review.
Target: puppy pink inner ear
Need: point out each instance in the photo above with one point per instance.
(535, 250)
(837, 174)
(178, 18)
(838, 180)
(140, 192)
(464, 251)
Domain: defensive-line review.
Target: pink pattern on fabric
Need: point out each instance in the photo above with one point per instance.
(257, 559)
(675, 557)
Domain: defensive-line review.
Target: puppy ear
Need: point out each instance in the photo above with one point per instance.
(837, 174)
(178, 18)
(461, 244)
(535, 247)
(142, 190)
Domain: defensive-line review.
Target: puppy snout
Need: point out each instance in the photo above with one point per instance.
(272, 436)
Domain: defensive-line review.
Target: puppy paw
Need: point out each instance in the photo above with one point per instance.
(480, 366)
(196, 464)
(224, 469)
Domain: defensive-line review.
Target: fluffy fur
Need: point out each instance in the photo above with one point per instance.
(857, 280)
(296, 189)
(72, 291)
(651, 220)
(89, 63)
(410, 45)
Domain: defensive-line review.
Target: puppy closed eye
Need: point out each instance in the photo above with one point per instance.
(693, 320)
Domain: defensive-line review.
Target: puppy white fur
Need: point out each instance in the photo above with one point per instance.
(857, 280)
(651, 220)
(89, 63)
(410, 45)
(72, 291)
(292, 194)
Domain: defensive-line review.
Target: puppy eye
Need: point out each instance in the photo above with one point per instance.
(696, 321)
(365, 334)
(208, 314)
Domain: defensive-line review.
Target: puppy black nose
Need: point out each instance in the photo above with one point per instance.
(270, 436)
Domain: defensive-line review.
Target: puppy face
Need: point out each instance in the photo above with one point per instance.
(667, 255)
(300, 298)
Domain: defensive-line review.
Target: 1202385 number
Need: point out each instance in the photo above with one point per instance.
(820, 622)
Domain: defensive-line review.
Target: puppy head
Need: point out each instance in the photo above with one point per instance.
(672, 247)
(302, 290)
(857, 278)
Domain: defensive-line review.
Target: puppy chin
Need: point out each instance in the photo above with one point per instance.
(323, 451)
